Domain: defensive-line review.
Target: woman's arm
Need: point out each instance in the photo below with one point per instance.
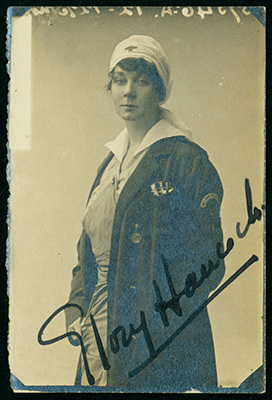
(190, 218)
(78, 286)
(201, 201)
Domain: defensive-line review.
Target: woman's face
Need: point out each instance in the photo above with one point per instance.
(133, 95)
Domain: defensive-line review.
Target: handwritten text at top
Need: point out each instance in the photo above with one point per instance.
(130, 11)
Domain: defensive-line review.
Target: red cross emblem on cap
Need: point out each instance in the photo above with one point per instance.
(131, 48)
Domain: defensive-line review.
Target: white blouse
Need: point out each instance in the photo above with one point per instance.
(98, 220)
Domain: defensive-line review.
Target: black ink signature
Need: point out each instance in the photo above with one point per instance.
(161, 306)
(142, 327)
(114, 341)
(99, 343)
(191, 284)
(252, 216)
(155, 354)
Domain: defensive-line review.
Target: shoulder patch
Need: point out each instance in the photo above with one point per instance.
(208, 197)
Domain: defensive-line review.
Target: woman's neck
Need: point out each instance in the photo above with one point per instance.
(138, 129)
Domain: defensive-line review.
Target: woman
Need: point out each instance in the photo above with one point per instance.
(147, 253)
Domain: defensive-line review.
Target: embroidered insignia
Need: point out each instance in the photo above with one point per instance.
(131, 48)
(160, 188)
(208, 197)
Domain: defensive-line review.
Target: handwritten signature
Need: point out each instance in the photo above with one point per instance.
(161, 306)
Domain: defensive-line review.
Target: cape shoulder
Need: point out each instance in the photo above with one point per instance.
(178, 145)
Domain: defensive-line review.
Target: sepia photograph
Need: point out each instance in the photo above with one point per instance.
(136, 140)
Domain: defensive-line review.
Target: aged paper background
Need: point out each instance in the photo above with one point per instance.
(60, 117)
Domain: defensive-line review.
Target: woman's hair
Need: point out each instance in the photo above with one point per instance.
(141, 66)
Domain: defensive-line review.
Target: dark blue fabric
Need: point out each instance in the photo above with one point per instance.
(179, 226)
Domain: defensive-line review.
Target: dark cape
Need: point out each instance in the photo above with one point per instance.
(162, 245)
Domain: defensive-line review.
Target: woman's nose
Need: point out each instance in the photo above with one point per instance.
(129, 89)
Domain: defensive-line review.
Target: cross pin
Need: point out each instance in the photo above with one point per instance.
(131, 48)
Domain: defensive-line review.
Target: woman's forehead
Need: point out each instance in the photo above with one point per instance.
(119, 70)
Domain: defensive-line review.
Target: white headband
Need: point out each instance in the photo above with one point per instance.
(139, 46)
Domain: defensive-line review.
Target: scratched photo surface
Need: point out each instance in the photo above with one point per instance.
(164, 290)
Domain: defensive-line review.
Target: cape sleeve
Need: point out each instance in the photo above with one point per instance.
(199, 208)
(83, 280)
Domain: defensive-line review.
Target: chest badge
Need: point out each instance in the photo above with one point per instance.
(161, 187)
(136, 237)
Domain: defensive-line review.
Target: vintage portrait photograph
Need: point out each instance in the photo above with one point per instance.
(137, 206)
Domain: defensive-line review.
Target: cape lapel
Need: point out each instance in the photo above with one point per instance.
(142, 173)
(100, 171)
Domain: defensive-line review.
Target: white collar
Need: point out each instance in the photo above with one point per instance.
(119, 145)
(161, 130)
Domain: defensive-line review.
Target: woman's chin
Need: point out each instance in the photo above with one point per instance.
(128, 116)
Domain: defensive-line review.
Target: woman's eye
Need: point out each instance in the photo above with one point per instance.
(119, 81)
(142, 82)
